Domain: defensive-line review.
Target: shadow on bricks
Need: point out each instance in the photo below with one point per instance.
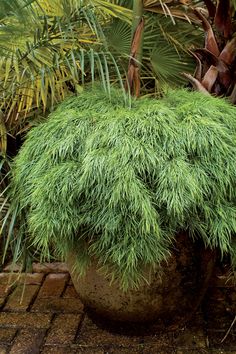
(42, 314)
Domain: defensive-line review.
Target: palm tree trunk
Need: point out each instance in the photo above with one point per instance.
(137, 17)
(134, 67)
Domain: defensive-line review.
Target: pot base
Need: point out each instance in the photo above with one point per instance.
(174, 291)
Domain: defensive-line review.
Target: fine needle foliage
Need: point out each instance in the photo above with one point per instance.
(117, 183)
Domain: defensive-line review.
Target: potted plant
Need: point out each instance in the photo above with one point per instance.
(135, 194)
(130, 194)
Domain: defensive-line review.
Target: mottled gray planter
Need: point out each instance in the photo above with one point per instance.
(175, 288)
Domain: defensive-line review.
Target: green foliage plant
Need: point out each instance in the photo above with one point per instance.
(118, 183)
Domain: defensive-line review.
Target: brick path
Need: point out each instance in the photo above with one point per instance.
(50, 319)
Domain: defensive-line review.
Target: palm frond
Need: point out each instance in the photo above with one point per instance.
(168, 64)
(118, 37)
(166, 53)
(60, 48)
(182, 10)
(112, 9)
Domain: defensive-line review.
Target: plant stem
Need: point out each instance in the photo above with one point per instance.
(137, 16)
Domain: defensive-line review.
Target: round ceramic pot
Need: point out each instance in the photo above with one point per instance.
(175, 288)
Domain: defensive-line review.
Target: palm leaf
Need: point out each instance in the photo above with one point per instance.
(118, 37)
(112, 9)
(168, 64)
(40, 64)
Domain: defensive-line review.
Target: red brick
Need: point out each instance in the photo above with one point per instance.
(23, 320)
(53, 285)
(4, 290)
(28, 342)
(31, 278)
(188, 339)
(129, 350)
(63, 329)
(70, 292)
(77, 349)
(57, 305)
(91, 334)
(55, 267)
(11, 279)
(62, 350)
(21, 298)
(7, 335)
(12, 267)
(87, 349)
(156, 349)
(93, 350)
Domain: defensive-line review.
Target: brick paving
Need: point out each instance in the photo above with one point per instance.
(41, 313)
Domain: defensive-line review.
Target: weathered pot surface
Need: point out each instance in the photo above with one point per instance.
(175, 288)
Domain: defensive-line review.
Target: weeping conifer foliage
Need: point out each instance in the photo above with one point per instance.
(118, 183)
